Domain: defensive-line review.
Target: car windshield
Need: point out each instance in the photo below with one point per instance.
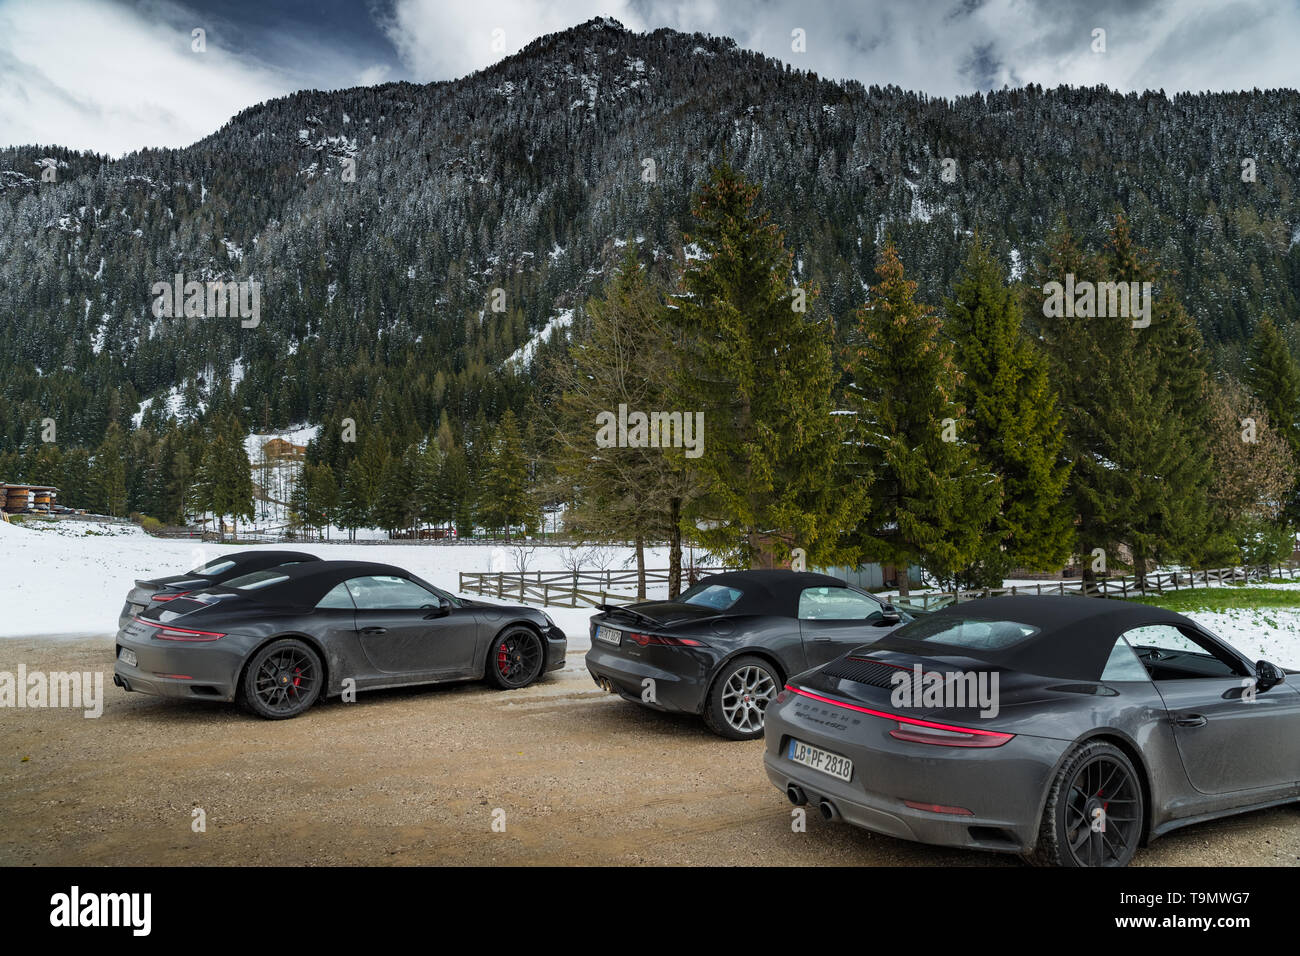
(258, 579)
(968, 632)
(213, 567)
(716, 596)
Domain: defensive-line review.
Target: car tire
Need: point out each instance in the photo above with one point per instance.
(1095, 775)
(282, 679)
(515, 658)
(739, 697)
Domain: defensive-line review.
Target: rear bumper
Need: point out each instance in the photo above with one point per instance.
(557, 645)
(673, 690)
(193, 671)
(1001, 789)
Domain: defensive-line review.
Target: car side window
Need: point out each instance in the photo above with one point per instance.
(381, 592)
(837, 604)
(1123, 664)
(338, 598)
(1171, 653)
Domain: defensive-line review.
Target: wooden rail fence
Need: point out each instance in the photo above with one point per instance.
(594, 588)
(571, 588)
(1106, 586)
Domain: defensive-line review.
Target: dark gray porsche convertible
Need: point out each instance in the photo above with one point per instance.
(1070, 730)
(722, 648)
(280, 638)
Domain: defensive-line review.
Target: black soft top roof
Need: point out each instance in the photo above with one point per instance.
(306, 584)
(1074, 639)
(256, 559)
(771, 592)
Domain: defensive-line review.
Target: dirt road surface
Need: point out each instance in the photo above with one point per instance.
(417, 777)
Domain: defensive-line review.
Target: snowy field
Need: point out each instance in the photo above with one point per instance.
(69, 578)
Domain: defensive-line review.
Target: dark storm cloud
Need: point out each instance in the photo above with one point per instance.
(119, 74)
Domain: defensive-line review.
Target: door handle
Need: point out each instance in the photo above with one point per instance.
(821, 640)
(374, 630)
(1191, 720)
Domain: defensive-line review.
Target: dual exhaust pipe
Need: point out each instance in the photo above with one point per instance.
(795, 794)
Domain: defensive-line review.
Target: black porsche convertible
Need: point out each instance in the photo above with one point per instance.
(219, 569)
(1070, 730)
(279, 638)
(723, 648)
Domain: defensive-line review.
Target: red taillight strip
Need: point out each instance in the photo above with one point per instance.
(182, 633)
(993, 735)
(644, 640)
(168, 597)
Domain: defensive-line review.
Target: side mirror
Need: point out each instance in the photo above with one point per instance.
(1267, 675)
(889, 615)
(442, 610)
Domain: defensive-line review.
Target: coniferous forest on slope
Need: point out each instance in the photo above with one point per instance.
(536, 176)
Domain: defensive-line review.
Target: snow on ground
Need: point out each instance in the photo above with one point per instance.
(69, 578)
(1269, 633)
(523, 356)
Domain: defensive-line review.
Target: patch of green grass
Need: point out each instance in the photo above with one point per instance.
(1222, 599)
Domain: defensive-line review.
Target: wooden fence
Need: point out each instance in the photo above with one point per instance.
(594, 588)
(1106, 586)
(572, 588)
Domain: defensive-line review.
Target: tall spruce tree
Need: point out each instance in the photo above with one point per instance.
(756, 360)
(1015, 421)
(619, 492)
(1273, 377)
(505, 501)
(929, 499)
(1136, 396)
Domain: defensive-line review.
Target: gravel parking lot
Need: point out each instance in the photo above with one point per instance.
(418, 777)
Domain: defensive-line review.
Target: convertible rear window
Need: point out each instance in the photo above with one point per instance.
(972, 633)
(213, 567)
(716, 596)
(258, 579)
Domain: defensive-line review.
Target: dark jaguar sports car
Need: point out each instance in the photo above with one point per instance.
(219, 569)
(280, 638)
(723, 647)
(1070, 730)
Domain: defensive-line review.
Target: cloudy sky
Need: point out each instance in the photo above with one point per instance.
(117, 75)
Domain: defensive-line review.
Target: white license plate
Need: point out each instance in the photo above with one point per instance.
(127, 657)
(821, 760)
(609, 635)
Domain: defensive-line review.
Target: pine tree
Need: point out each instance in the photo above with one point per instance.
(930, 501)
(621, 493)
(504, 500)
(1015, 422)
(757, 364)
(108, 473)
(1273, 377)
(1137, 431)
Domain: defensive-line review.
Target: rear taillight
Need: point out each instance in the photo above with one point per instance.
(646, 639)
(167, 633)
(919, 731)
(942, 735)
(168, 597)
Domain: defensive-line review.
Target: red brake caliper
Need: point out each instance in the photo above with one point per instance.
(503, 665)
(297, 676)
